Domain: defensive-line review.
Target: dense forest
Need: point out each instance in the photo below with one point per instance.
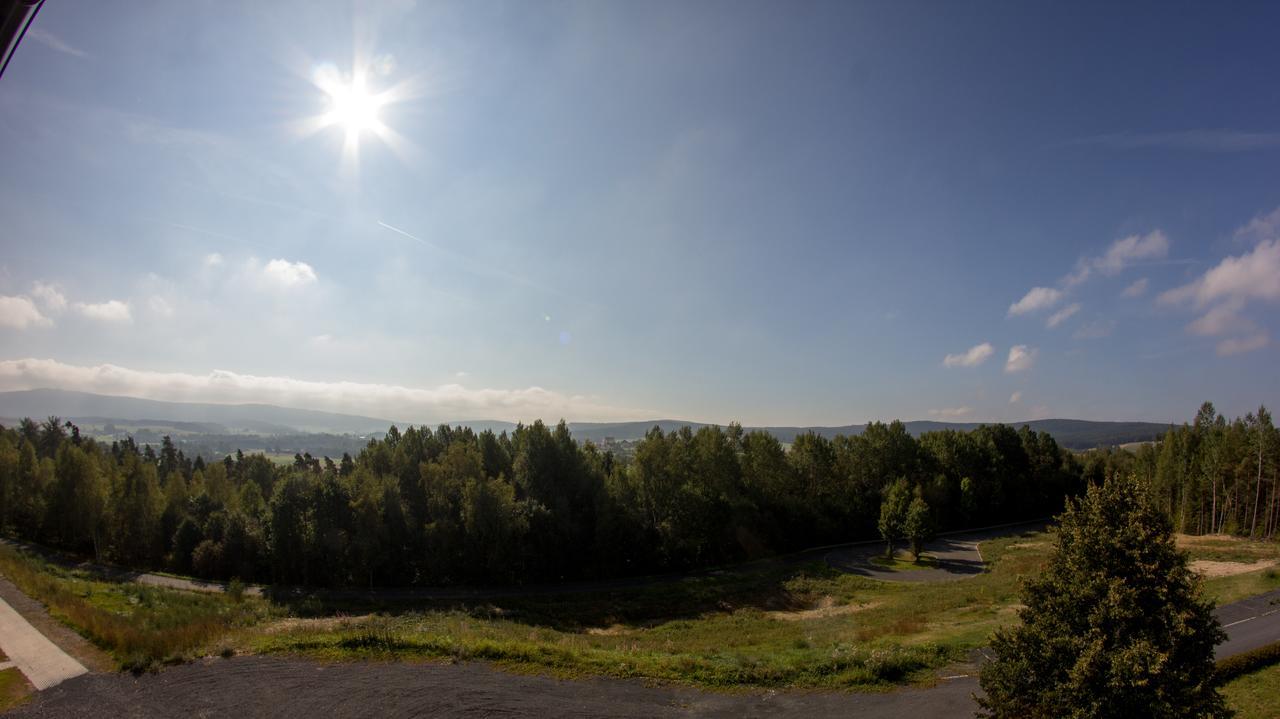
(1211, 476)
(431, 507)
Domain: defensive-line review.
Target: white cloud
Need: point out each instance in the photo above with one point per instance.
(1021, 358)
(109, 311)
(1121, 254)
(1262, 227)
(284, 274)
(1015, 398)
(1221, 319)
(20, 313)
(972, 358)
(1234, 346)
(1124, 252)
(402, 404)
(1253, 275)
(1062, 315)
(1038, 298)
(160, 306)
(50, 296)
(1095, 330)
(213, 259)
(1137, 289)
(951, 412)
(461, 375)
(1226, 290)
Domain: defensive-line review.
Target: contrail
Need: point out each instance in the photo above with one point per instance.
(406, 234)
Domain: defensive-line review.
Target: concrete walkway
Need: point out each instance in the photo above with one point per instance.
(43, 663)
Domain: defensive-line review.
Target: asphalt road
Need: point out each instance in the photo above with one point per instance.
(1251, 623)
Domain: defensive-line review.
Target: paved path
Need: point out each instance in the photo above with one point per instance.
(44, 664)
(956, 553)
(1250, 623)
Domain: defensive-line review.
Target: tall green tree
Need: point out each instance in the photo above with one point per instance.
(1115, 626)
(893, 513)
(918, 525)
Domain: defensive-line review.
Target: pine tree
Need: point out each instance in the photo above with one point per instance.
(1114, 627)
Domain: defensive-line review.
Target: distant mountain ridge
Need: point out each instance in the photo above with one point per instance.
(232, 418)
(270, 419)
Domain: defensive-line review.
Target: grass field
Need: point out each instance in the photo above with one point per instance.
(799, 627)
(772, 626)
(1256, 695)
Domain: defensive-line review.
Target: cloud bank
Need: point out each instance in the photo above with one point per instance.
(402, 404)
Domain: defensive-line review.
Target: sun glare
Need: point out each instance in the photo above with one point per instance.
(352, 107)
(355, 107)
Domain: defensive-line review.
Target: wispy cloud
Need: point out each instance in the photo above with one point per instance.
(1134, 248)
(1220, 140)
(1021, 358)
(975, 356)
(1037, 298)
(54, 42)
(1062, 315)
(1137, 289)
(951, 412)
(1015, 398)
(1234, 346)
(406, 404)
(50, 296)
(1124, 252)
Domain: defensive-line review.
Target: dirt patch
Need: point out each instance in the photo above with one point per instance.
(826, 608)
(1210, 569)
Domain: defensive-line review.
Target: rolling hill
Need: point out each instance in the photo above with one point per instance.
(270, 419)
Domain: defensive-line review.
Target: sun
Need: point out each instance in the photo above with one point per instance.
(352, 107)
(351, 104)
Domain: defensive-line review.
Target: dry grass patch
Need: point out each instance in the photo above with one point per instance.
(1210, 569)
(827, 607)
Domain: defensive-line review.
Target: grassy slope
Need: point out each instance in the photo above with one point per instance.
(805, 627)
(139, 625)
(796, 627)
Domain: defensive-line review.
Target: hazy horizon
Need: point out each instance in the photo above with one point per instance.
(608, 211)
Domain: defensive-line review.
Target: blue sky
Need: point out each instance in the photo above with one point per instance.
(768, 212)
